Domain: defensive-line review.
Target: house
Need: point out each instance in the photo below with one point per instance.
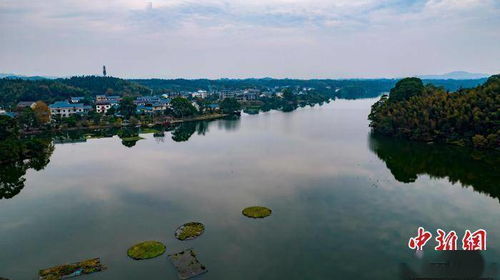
(65, 109)
(213, 107)
(8, 114)
(159, 106)
(200, 94)
(101, 98)
(26, 104)
(143, 109)
(76, 99)
(104, 102)
(104, 106)
(223, 94)
(114, 99)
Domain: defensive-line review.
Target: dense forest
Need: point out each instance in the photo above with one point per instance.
(428, 113)
(13, 90)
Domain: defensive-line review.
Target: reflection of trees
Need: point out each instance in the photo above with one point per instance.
(202, 127)
(184, 131)
(229, 123)
(129, 136)
(406, 160)
(12, 172)
(457, 264)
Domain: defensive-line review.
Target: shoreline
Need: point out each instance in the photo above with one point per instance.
(208, 117)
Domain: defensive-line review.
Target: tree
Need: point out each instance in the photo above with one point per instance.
(42, 112)
(288, 95)
(181, 107)
(406, 88)
(127, 107)
(229, 105)
(468, 117)
(27, 118)
(111, 111)
(8, 128)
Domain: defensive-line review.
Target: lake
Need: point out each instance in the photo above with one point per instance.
(344, 202)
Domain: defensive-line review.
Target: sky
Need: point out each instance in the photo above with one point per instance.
(249, 38)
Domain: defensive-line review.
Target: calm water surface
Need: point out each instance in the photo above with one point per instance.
(344, 203)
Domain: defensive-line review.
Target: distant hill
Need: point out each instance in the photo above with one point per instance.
(50, 90)
(22, 77)
(456, 75)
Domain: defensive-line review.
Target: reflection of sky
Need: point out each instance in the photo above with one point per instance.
(337, 210)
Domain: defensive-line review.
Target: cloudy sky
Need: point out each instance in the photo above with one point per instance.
(249, 38)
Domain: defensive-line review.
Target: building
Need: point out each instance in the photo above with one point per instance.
(223, 94)
(65, 109)
(26, 104)
(143, 109)
(100, 98)
(103, 106)
(200, 94)
(76, 99)
(8, 114)
(104, 102)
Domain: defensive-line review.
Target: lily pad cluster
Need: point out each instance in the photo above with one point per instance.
(256, 212)
(146, 250)
(71, 270)
(189, 231)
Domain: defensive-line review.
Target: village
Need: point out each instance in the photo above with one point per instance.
(153, 104)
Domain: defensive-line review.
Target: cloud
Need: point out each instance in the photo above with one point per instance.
(251, 34)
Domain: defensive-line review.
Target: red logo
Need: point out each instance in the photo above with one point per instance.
(419, 241)
(474, 241)
(448, 241)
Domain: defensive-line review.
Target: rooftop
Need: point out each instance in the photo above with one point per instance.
(65, 104)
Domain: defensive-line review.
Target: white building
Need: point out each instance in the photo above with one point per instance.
(66, 109)
(200, 93)
(103, 106)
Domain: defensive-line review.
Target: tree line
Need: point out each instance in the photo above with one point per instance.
(467, 117)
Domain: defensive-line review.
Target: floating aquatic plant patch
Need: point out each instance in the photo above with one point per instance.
(189, 231)
(71, 270)
(146, 250)
(187, 264)
(256, 212)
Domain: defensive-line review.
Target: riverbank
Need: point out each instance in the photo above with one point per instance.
(206, 117)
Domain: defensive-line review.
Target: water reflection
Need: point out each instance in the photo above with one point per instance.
(12, 173)
(450, 265)
(406, 160)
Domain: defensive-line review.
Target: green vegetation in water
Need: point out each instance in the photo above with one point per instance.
(146, 250)
(189, 231)
(187, 264)
(256, 212)
(71, 270)
(468, 117)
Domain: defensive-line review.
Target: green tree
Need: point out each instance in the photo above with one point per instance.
(27, 118)
(288, 95)
(127, 107)
(8, 128)
(111, 111)
(406, 88)
(181, 107)
(229, 105)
